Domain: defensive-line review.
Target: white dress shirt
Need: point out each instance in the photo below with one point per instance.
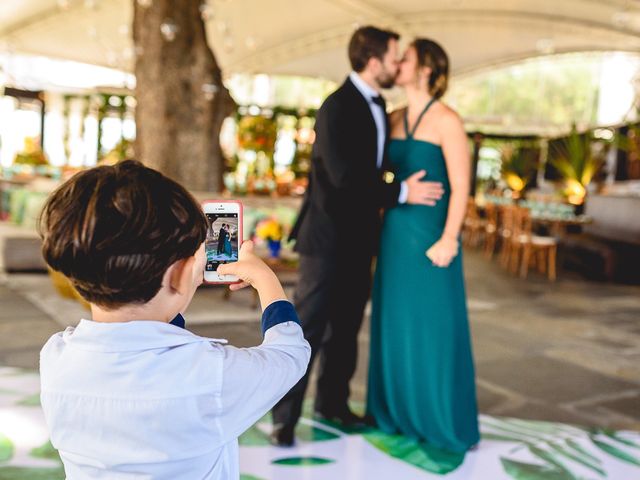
(379, 117)
(150, 400)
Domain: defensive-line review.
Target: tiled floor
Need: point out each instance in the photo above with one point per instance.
(568, 351)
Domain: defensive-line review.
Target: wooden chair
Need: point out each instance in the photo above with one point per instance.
(525, 247)
(506, 219)
(490, 230)
(474, 225)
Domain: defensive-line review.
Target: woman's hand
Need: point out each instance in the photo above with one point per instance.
(443, 251)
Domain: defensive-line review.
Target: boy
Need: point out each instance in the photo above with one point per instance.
(130, 394)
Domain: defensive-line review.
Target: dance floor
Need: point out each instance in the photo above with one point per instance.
(510, 449)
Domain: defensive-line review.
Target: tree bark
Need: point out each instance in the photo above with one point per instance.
(178, 117)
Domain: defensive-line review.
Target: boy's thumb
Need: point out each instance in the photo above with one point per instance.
(246, 247)
(226, 269)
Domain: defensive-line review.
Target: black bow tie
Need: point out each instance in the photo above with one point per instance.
(378, 100)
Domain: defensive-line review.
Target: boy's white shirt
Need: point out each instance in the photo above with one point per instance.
(155, 399)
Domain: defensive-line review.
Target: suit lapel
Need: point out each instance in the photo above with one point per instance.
(363, 105)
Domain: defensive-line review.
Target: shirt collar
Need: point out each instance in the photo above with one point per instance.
(367, 91)
(129, 336)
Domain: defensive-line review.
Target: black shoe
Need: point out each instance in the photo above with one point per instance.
(282, 435)
(346, 419)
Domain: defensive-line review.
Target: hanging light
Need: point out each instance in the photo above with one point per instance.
(145, 3)
(209, 90)
(169, 30)
(206, 11)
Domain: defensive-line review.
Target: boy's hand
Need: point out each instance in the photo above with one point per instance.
(252, 271)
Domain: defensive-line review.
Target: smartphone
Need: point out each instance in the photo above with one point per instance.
(224, 237)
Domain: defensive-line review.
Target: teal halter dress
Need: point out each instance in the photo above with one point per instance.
(421, 372)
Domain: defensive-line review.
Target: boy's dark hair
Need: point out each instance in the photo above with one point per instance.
(366, 43)
(114, 231)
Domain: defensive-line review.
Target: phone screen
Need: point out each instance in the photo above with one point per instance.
(221, 245)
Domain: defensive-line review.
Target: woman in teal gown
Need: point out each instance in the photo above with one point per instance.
(227, 244)
(421, 372)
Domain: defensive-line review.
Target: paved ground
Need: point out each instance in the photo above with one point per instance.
(567, 352)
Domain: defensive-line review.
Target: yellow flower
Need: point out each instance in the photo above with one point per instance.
(269, 229)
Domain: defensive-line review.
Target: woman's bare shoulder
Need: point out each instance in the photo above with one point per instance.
(448, 117)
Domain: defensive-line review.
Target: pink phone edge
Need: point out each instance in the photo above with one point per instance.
(240, 235)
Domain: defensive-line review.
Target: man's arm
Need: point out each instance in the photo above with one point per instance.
(335, 144)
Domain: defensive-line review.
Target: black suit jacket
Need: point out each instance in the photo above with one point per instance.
(221, 235)
(346, 190)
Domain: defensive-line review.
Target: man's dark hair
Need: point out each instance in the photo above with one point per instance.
(114, 231)
(366, 43)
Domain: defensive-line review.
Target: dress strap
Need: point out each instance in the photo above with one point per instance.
(411, 133)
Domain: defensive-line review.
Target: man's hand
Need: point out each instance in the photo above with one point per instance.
(423, 193)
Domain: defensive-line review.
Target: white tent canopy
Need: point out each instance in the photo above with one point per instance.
(309, 37)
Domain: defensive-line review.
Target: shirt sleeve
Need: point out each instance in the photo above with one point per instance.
(404, 193)
(254, 379)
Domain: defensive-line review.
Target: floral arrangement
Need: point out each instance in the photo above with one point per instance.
(31, 155)
(257, 133)
(269, 229)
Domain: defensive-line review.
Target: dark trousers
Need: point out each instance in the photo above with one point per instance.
(330, 298)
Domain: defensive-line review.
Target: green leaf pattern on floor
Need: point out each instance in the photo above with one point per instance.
(556, 449)
(30, 401)
(419, 455)
(6, 449)
(533, 450)
(302, 461)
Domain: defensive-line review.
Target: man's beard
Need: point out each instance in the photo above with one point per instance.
(386, 80)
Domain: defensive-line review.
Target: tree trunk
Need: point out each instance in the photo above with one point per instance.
(181, 99)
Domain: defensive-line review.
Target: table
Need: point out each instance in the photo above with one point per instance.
(558, 225)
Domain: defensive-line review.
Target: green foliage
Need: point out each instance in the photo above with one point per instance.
(516, 161)
(518, 164)
(574, 158)
(546, 93)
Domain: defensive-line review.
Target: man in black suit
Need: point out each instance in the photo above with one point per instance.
(221, 236)
(338, 227)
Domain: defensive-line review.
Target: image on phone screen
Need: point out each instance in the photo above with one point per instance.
(221, 245)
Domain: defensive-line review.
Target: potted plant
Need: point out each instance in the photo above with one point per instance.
(576, 163)
(517, 168)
